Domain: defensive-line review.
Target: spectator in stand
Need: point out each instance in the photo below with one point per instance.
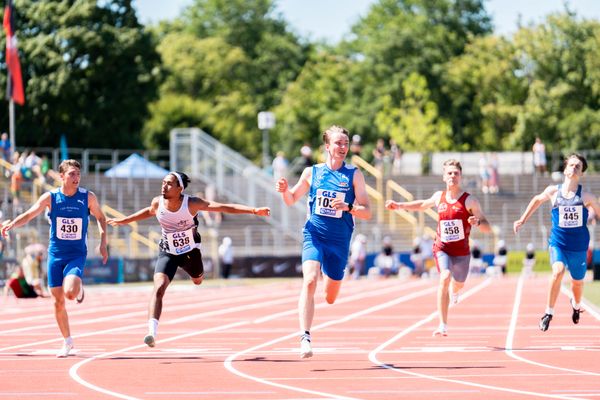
(32, 270)
(476, 264)
(19, 286)
(5, 146)
(494, 177)
(306, 153)
(379, 153)
(356, 146)
(539, 156)
(358, 256)
(387, 262)
(484, 174)
(529, 260)
(280, 166)
(226, 256)
(416, 257)
(396, 153)
(16, 178)
(500, 259)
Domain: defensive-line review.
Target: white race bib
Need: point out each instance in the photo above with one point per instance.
(570, 216)
(69, 228)
(323, 203)
(451, 230)
(181, 242)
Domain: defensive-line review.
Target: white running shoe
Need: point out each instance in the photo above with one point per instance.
(149, 340)
(440, 331)
(454, 298)
(305, 347)
(66, 349)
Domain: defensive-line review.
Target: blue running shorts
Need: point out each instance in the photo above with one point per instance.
(574, 261)
(60, 267)
(333, 256)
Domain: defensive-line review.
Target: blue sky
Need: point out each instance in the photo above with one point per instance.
(331, 19)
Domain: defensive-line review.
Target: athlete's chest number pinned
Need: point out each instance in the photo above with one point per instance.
(180, 242)
(69, 228)
(324, 202)
(570, 216)
(452, 230)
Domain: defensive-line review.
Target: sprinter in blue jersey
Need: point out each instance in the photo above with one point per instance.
(336, 194)
(69, 209)
(569, 237)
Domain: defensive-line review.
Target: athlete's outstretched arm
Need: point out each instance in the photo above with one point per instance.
(197, 204)
(36, 209)
(415, 205)
(533, 205)
(144, 213)
(477, 217)
(96, 211)
(290, 196)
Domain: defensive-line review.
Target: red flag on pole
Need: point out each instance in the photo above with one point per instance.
(14, 88)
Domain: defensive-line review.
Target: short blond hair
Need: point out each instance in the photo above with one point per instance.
(65, 164)
(334, 129)
(453, 163)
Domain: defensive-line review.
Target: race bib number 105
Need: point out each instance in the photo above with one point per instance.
(323, 203)
(69, 228)
(451, 230)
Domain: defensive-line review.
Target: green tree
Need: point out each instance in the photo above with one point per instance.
(415, 124)
(90, 70)
(235, 58)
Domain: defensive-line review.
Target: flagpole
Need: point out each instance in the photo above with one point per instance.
(11, 119)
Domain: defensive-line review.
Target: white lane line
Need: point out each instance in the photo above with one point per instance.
(511, 333)
(142, 325)
(375, 360)
(206, 393)
(229, 361)
(73, 370)
(345, 299)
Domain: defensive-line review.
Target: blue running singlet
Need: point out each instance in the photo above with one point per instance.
(569, 223)
(69, 216)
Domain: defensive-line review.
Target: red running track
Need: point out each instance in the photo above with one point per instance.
(241, 342)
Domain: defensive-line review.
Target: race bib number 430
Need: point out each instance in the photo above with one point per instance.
(181, 242)
(570, 216)
(451, 230)
(323, 203)
(69, 228)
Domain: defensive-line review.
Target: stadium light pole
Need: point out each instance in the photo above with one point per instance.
(266, 121)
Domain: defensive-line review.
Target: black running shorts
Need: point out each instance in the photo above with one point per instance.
(190, 262)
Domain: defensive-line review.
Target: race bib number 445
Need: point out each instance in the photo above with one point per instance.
(323, 203)
(451, 230)
(181, 242)
(570, 216)
(69, 228)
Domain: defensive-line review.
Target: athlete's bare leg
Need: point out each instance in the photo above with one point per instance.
(558, 270)
(332, 289)
(577, 288)
(306, 304)
(443, 299)
(161, 282)
(60, 311)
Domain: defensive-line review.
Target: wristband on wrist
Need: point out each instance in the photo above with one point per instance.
(350, 207)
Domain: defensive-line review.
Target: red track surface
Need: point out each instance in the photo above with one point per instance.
(241, 342)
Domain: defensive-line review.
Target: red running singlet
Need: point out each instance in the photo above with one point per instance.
(453, 227)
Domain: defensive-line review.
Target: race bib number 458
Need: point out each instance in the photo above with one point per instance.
(570, 216)
(451, 230)
(69, 228)
(323, 203)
